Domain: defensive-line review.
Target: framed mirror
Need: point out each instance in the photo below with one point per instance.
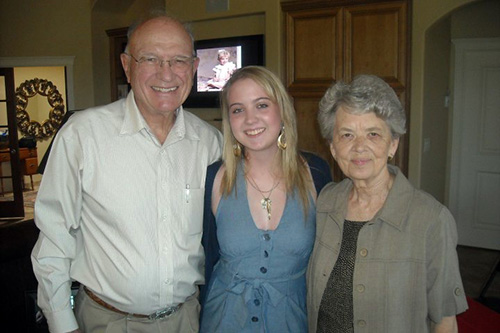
(38, 92)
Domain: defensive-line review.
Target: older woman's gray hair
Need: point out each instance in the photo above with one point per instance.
(365, 94)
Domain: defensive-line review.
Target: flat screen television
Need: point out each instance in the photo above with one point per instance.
(237, 52)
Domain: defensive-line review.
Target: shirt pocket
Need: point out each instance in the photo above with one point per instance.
(192, 210)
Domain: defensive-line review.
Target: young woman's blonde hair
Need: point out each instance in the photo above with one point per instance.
(294, 168)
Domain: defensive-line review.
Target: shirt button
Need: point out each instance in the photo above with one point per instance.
(256, 302)
(266, 237)
(263, 270)
(458, 292)
(363, 252)
(361, 323)
(266, 254)
(360, 288)
(255, 319)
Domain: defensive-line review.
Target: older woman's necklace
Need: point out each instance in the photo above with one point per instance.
(265, 202)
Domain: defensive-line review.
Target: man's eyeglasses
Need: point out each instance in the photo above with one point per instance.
(177, 64)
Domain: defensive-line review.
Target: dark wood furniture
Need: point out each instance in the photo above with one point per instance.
(327, 41)
(28, 162)
(12, 208)
(117, 44)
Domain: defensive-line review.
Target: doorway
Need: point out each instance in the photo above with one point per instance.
(476, 20)
(57, 72)
(475, 160)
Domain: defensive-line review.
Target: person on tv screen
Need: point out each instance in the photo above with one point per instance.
(259, 219)
(223, 70)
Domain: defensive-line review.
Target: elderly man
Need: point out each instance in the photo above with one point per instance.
(121, 201)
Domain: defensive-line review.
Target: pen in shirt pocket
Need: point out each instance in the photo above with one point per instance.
(187, 193)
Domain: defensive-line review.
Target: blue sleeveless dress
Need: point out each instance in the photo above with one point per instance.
(259, 282)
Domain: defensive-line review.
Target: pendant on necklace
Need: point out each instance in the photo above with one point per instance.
(266, 204)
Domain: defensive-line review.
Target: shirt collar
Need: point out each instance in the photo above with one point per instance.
(183, 128)
(134, 122)
(394, 210)
(398, 200)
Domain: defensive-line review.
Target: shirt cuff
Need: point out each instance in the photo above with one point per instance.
(61, 321)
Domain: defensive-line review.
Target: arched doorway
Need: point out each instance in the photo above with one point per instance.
(472, 21)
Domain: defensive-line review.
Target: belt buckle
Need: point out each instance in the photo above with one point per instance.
(162, 313)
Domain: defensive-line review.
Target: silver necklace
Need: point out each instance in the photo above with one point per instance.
(265, 202)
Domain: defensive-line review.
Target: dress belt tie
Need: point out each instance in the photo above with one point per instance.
(244, 287)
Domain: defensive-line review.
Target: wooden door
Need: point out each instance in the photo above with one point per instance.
(314, 59)
(376, 42)
(326, 41)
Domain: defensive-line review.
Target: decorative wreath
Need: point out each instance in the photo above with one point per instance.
(30, 88)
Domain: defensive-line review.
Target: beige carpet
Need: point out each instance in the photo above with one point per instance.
(29, 198)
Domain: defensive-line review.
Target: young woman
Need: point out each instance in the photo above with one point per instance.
(259, 223)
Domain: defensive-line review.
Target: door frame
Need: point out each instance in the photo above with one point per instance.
(12, 209)
(67, 62)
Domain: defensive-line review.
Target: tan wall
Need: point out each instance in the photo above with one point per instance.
(481, 19)
(32, 28)
(435, 112)
(425, 14)
(74, 28)
(474, 20)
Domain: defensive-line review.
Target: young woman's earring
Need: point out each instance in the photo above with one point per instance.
(237, 149)
(282, 139)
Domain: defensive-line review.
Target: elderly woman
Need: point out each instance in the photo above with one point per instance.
(384, 258)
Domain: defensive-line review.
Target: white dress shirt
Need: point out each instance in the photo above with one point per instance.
(121, 213)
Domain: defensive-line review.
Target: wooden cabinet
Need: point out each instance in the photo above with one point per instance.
(326, 41)
(117, 44)
(28, 163)
(30, 166)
